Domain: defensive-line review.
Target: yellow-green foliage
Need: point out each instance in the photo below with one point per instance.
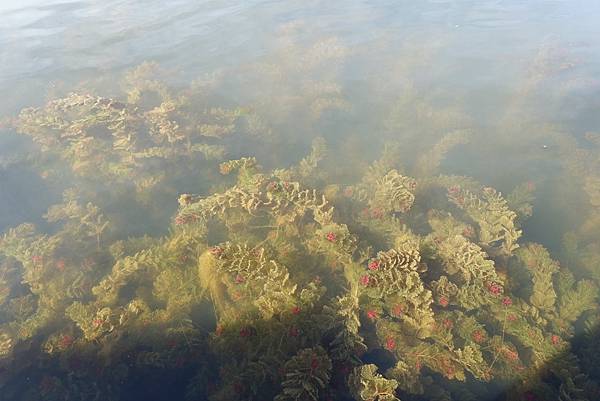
(343, 315)
(406, 377)
(389, 192)
(307, 167)
(536, 259)
(576, 300)
(521, 200)
(306, 374)
(276, 287)
(394, 277)
(430, 161)
(286, 200)
(5, 344)
(240, 268)
(490, 211)
(469, 268)
(128, 141)
(367, 385)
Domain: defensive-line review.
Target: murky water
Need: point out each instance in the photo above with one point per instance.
(457, 253)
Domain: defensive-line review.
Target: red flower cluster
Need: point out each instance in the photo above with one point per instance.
(495, 288)
(390, 343)
(364, 280)
(180, 220)
(449, 324)
(331, 237)
(478, 336)
(238, 388)
(443, 301)
(510, 354)
(468, 232)
(216, 251)
(272, 186)
(371, 314)
(373, 265)
(507, 301)
(397, 310)
(377, 213)
(246, 332)
(296, 310)
(66, 341)
(555, 339)
(60, 265)
(454, 194)
(454, 190)
(225, 168)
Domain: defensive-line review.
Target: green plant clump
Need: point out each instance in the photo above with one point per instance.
(281, 283)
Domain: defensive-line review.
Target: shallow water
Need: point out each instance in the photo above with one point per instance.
(512, 86)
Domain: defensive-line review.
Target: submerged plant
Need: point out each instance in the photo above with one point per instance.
(283, 284)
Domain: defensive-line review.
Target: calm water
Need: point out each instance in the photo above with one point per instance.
(490, 63)
(522, 78)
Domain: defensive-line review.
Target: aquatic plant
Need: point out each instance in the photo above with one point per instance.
(284, 284)
(367, 385)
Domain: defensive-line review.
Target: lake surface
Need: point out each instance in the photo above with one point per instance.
(124, 106)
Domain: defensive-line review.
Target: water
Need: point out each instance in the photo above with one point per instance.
(136, 296)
